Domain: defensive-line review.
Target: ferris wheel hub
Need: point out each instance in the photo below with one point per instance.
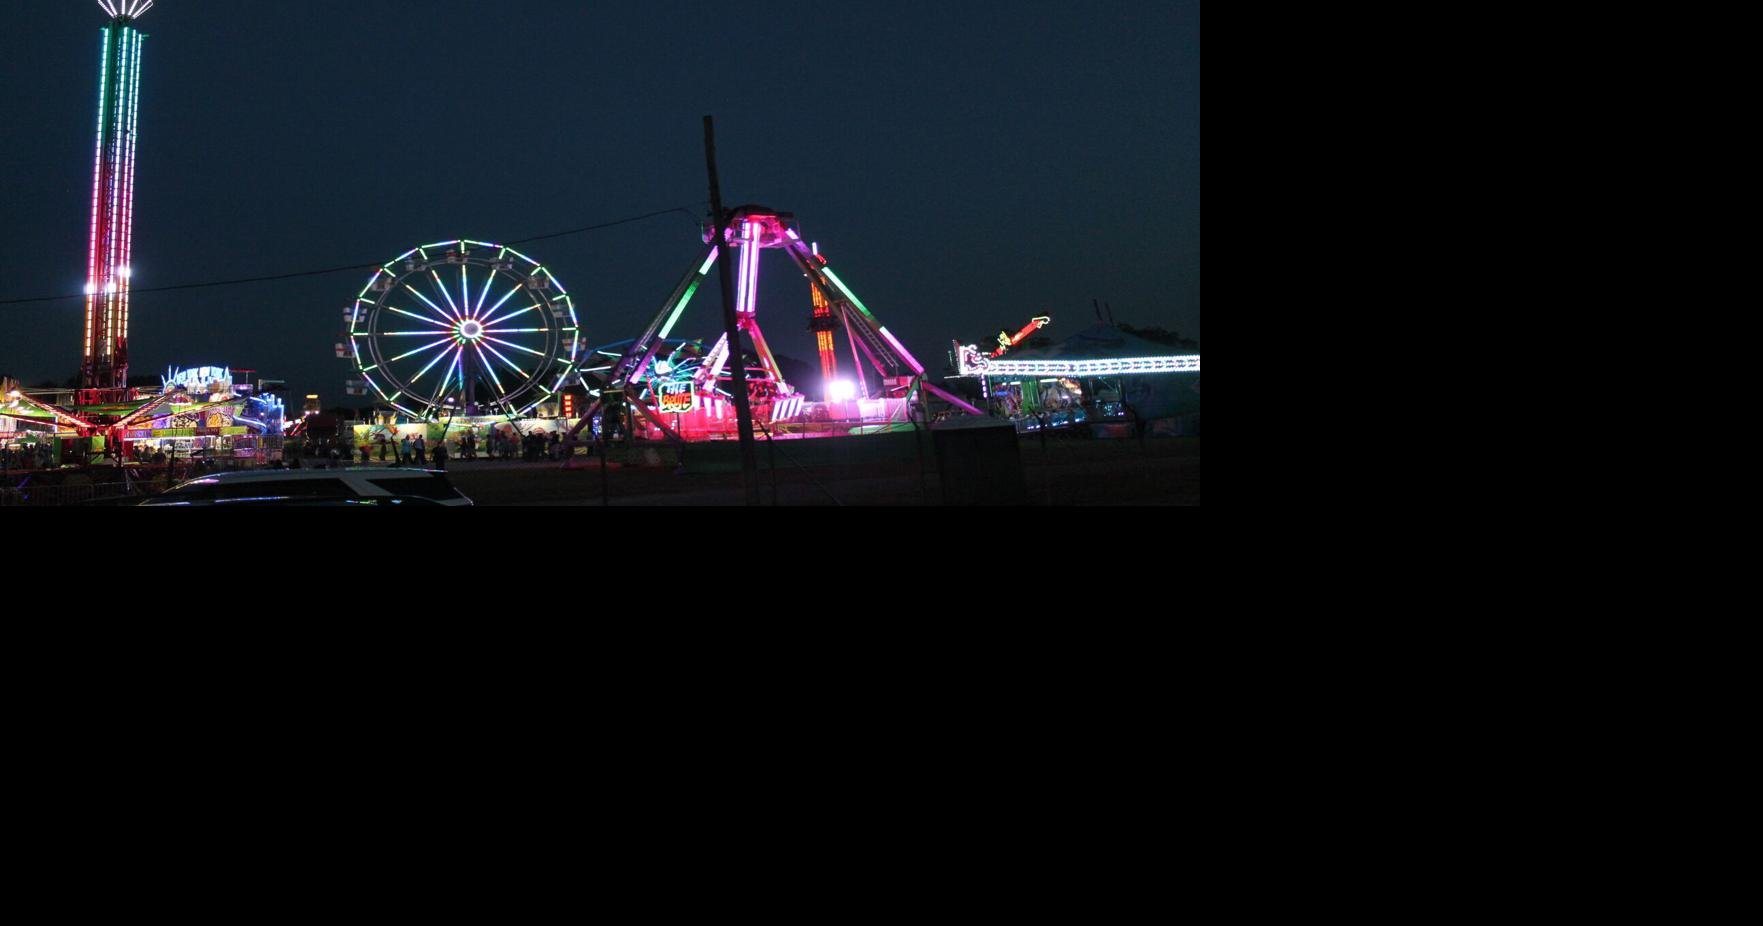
(471, 330)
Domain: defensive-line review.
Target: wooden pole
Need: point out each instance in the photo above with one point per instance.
(731, 325)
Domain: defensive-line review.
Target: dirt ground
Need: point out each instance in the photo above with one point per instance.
(1063, 470)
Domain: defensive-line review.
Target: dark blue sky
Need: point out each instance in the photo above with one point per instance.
(964, 166)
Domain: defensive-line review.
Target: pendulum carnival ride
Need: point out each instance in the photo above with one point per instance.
(499, 339)
(683, 400)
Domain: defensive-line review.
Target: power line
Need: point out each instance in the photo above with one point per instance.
(373, 265)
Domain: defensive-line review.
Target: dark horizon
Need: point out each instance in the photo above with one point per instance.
(963, 169)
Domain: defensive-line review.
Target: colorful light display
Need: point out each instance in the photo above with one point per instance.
(519, 353)
(105, 363)
(973, 363)
(750, 232)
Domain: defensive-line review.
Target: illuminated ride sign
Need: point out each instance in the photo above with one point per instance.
(676, 397)
(199, 379)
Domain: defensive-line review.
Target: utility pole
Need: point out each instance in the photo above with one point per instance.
(731, 325)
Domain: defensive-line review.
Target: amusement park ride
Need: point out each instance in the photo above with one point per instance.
(474, 328)
(104, 368)
(683, 400)
(107, 413)
(486, 344)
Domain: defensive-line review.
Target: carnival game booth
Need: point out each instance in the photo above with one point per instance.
(1100, 377)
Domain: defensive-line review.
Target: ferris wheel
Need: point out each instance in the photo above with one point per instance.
(465, 327)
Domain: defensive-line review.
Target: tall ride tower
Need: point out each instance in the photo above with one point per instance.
(105, 367)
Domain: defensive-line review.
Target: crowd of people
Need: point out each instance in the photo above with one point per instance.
(407, 450)
(26, 457)
(323, 453)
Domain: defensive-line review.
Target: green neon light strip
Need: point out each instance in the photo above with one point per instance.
(846, 290)
(671, 319)
(370, 369)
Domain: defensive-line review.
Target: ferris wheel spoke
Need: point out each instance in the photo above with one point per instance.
(511, 364)
(465, 290)
(445, 381)
(444, 293)
(440, 311)
(517, 288)
(536, 353)
(489, 367)
(420, 318)
(513, 330)
(484, 295)
(503, 318)
(431, 365)
(419, 350)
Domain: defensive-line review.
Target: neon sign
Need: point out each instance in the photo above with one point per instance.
(676, 397)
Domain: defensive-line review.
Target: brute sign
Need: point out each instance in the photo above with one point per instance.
(676, 398)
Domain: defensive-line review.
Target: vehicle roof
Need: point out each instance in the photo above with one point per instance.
(278, 475)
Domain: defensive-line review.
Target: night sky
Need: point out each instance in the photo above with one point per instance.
(964, 166)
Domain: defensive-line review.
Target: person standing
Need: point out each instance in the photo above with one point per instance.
(609, 423)
(422, 450)
(440, 455)
(404, 450)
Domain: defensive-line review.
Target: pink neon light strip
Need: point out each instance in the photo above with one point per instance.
(92, 283)
(905, 354)
(752, 268)
(128, 225)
